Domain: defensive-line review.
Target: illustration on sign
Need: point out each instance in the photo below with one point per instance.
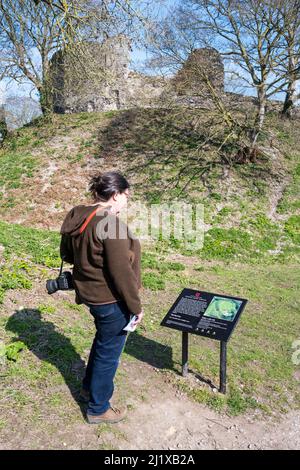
(223, 308)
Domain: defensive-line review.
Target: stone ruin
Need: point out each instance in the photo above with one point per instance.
(111, 85)
(201, 66)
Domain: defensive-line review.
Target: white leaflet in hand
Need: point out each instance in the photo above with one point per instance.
(130, 326)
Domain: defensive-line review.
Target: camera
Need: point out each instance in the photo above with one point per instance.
(63, 282)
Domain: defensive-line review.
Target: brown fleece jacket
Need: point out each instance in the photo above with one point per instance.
(107, 260)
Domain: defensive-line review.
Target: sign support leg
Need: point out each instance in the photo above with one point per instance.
(223, 365)
(185, 353)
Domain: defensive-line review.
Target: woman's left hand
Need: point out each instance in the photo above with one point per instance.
(139, 318)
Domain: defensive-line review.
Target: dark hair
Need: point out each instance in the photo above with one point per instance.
(105, 185)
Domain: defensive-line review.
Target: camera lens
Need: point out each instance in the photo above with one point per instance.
(51, 286)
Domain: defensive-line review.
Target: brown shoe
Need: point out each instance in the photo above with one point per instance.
(112, 415)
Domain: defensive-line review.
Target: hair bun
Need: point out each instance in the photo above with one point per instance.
(104, 185)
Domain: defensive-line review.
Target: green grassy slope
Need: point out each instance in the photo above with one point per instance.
(251, 249)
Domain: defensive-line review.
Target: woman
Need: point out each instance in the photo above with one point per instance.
(106, 276)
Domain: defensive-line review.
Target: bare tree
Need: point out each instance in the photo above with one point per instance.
(182, 46)
(32, 31)
(28, 37)
(250, 34)
(290, 63)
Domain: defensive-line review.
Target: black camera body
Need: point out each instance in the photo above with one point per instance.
(63, 282)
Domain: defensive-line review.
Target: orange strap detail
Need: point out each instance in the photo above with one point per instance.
(87, 221)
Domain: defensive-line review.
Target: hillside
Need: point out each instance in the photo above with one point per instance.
(255, 207)
(251, 249)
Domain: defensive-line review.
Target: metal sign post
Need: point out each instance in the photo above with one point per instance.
(223, 366)
(223, 360)
(185, 353)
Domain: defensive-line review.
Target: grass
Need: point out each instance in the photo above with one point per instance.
(290, 198)
(246, 253)
(292, 228)
(13, 276)
(13, 166)
(40, 246)
(253, 242)
(260, 369)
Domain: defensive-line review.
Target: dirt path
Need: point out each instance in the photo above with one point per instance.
(277, 186)
(163, 419)
(172, 421)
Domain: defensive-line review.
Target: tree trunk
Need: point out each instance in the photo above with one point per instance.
(46, 88)
(290, 96)
(46, 101)
(260, 117)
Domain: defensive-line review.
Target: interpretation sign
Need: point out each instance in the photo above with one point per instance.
(204, 313)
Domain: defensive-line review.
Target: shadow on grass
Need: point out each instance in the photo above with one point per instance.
(204, 380)
(159, 356)
(170, 150)
(146, 350)
(50, 346)
(157, 145)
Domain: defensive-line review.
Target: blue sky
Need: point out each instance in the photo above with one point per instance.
(14, 88)
(138, 56)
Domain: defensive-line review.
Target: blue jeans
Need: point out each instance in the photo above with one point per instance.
(106, 350)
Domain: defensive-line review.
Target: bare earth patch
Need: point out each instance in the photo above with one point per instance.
(165, 419)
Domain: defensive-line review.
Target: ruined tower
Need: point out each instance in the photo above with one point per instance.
(203, 66)
(97, 83)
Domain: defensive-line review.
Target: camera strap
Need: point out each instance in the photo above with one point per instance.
(61, 267)
(89, 218)
(87, 221)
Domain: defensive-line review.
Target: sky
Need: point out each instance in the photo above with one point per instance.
(137, 57)
(14, 88)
